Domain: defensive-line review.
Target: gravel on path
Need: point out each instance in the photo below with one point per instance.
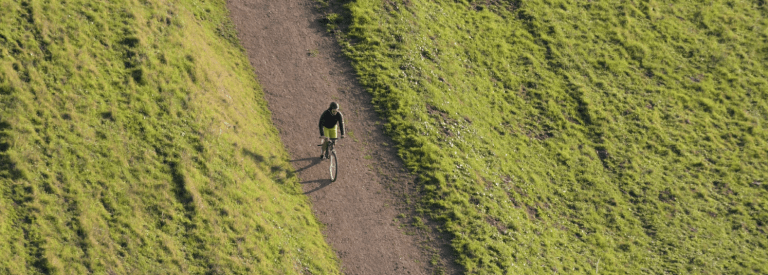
(302, 69)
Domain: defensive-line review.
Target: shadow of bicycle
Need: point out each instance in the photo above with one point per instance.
(314, 161)
(323, 184)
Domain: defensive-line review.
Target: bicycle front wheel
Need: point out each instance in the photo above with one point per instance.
(334, 169)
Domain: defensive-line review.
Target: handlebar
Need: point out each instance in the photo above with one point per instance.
(332, 140)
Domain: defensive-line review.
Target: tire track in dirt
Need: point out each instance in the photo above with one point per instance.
(302, 70)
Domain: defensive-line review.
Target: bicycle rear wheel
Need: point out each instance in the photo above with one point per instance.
(334, 169)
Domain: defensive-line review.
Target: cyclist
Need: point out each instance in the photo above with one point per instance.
(331, 121)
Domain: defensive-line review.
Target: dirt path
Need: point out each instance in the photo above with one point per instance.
(302, 70)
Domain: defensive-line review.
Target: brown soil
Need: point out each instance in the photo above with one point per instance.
(302, 70)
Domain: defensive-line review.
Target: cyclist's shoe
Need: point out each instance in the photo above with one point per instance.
(322, 156)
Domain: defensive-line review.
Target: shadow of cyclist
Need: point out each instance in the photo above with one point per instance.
(315, 161)
(323, 184)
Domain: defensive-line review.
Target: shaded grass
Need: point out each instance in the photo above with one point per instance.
(134, 139)
(553, 135)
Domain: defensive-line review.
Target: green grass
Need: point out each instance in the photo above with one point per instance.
(578, 136)
(134, 139)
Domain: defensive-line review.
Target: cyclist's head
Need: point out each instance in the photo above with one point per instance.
(333, 106)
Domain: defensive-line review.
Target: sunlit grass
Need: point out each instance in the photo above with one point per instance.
(551, 136)
(134, 139)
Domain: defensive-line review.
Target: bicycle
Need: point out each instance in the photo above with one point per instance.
(330, 154)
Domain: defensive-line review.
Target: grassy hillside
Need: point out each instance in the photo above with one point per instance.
(578, 136)
(134, 139)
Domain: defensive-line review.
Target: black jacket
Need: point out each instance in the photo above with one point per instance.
(328, 120)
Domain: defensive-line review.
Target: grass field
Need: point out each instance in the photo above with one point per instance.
(577, 136)
(134, 139)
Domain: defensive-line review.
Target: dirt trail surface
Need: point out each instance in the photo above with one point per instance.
(302, 70)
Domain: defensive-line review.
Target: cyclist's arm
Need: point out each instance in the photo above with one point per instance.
(320, 125)
(341, 123)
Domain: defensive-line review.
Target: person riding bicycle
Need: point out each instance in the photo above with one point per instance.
(330, 121)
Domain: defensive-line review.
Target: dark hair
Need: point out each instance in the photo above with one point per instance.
(334, 105)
